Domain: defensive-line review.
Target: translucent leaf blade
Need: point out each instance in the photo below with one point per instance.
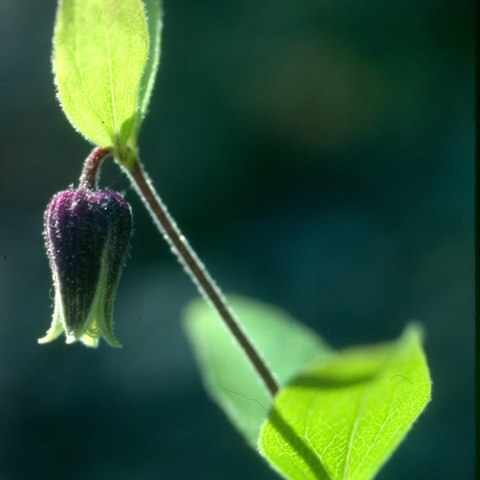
(100, 50)
(343, 418)
(228, 376)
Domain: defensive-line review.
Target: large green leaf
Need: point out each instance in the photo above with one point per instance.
(100, 53)
(286, 345)
(343, 418)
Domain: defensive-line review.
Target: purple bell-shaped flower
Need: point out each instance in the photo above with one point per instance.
(87, 235)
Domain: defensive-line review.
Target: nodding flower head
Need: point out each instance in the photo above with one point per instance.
(87, 235)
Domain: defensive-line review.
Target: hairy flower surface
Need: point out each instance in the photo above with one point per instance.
(87, 235)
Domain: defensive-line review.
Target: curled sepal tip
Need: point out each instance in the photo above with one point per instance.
(87, 235)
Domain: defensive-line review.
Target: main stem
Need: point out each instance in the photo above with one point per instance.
(194, 267)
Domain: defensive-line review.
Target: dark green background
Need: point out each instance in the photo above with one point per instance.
(319, 156)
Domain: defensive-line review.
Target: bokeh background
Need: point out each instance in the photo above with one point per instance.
(319, 156)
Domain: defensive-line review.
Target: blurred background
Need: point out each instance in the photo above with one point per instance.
(319, 156)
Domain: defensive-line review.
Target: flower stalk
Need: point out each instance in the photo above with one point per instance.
(91, 168)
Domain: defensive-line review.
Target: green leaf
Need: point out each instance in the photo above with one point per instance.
(228, 376)
(100, 51)
(343, 418)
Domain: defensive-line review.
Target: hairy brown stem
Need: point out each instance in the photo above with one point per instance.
(194, 267)
(91, 166)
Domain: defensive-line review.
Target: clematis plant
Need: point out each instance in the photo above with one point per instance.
(105, 58)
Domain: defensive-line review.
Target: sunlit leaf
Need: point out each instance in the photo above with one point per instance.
(286, 345)
(343, 418)
(100, 51)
